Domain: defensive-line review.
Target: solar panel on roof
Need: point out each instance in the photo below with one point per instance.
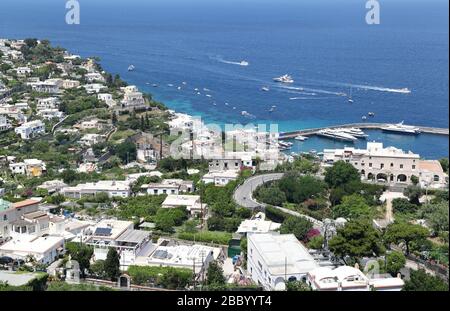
(160, 254)
(103, 231)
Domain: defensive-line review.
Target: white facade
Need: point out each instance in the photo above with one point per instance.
(4, 123)
(274, 258)
(43, 249)
(169, 186)
(111, 187)
(376, 162)
(191, 202)
(30, 129)
(221, 178)
(347, 278)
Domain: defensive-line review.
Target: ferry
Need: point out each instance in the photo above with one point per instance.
(402, 129)
(284, 79)
(337, 135)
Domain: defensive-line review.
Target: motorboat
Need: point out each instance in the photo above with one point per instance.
(402, 129)
(131, 68)
(265, 89)
(284, 79)
(371, 114)
(301, 138)
(244, 63)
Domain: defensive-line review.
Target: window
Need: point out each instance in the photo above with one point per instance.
(392, 164)
(5, 218)
(370, 164)
(172, 191)
(413, 167)
(401, 165)
(362, 164)
(382, 165)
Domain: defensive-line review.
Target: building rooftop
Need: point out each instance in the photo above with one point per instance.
(283, 253)
(257, 225)
(133, 236)
(25, 203)
(24, 243)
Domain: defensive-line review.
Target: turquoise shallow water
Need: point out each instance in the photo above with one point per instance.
(325, 45)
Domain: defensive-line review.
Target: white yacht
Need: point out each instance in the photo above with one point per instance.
(401, 128)
(284, 79)
(337, 135)
(301, 138)
(354, 132)
(244, 63)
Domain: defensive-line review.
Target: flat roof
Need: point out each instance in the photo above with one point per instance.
(133, 236)
(32, 244)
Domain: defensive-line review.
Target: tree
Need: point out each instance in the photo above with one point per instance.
(164, 222)
(215, 274)
(316, 242)
(69, 176)
(422, 281)
(414, 179)
(404, 232)
(402, 205)
(437, 216)
(98, 268)
(395, 261)
(413, 193)
(444, 164)
(112, 264)
(81, 253)
(351, 207)
(298, 226)
(357, 239)
(297, 286)
(271, 195)
(300, 188)
(341, 173)
(126, 151)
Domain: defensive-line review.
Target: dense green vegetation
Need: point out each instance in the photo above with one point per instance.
(167, 277)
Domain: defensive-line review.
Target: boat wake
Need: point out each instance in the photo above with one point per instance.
(301, 90)
(229, 62)
(365, 87)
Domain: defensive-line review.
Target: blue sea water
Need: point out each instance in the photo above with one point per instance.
(324, 44)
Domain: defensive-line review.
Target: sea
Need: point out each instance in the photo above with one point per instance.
(211, 58)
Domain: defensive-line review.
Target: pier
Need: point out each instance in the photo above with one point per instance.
(370, 126)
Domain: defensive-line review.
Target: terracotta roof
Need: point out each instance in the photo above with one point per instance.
(25, 203)
(432, 166)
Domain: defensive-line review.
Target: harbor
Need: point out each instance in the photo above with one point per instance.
(368, 126)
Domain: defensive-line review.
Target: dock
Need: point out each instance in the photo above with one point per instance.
(367, 126)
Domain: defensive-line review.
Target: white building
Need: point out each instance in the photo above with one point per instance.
(44, 249)
(4, 123)
(30, 167)
(194, 257)
(23, 71)
(91, 139)
(94, 88)
(274, 258)
(94, 77)
(128, 242)
(49, 114)
(48, 86)
(191, 202)
(70, 84)
(111, 187)
(10, 212)
(220, 178)
(257, 225)
(169, 186)
(52, 186)
(47, 103)
(132, 98)
(90, 124)
(347, 278)
(30, 129)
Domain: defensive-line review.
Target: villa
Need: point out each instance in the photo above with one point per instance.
(111, 187)
(191, 202)
(30, 129)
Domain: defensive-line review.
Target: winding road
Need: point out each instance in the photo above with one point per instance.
(243, 196)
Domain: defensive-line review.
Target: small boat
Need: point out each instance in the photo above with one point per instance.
(170, 84)
(234, 108)
(244, 63)
(350, 97)
(301, 138)
(207, 95)
(206, 90)
(198, 93)
(226, 104)
(179, 88)
(131, 68)
(196, 89)
(155, 85)
(272, 109)
(284, 79)
(184, 83)
(371, 114)
(364, 118)
(265, 89)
